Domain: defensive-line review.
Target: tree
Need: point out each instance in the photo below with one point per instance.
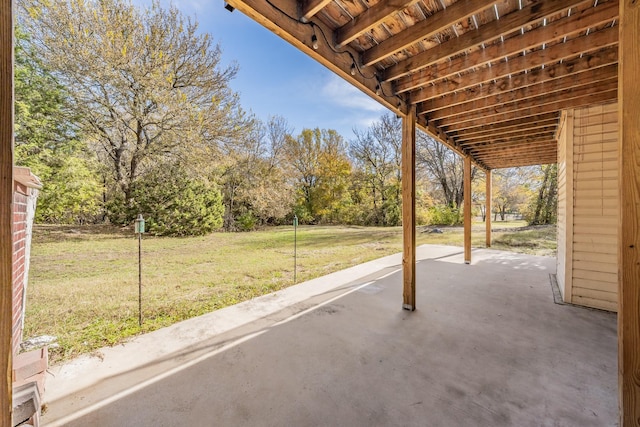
(377, 156)
(146, 87)
(543, 207)
(176, 203)
(255, 186)
(48, 143)
(320, 169)
(443, 168)
(511, 189)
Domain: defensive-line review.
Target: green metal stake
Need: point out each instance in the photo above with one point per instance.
(139, 227)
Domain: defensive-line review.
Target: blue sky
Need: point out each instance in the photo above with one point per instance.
(276, 79)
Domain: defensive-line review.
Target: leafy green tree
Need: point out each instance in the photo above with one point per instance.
(47, 142)
(177, 204)
(146, 87)
(320, 168)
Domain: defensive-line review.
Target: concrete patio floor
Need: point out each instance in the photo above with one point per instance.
(487, 346)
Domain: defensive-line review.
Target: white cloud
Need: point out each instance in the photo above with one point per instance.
(341, 93)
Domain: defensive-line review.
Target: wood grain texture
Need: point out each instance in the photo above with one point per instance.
(409, 210)
(467, 209)
(486, 33)
(487, 209)
(6, 198)
(564, 52)
(312, 7)
(574, 24)
(532, 110)
(629, 224)
(521, 88)
(424, 29)
(373, 16)
(479, 109)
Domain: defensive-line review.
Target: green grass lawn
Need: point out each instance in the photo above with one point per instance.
(83, 281)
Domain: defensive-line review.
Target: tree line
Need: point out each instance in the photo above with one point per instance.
(123, 110)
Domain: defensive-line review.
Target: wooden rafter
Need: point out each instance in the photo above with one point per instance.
(592, 46)
(557, 30)
(540, 93)
(549, 129)
(486, 33)
(369, 19)
(424, 29)
(312, 7)
(299, 34)
(489, 80)
(6, 202)
(569, 99)
(503, 141)
(552, 78)
(506, 127)
(518, 162)
(533, 151)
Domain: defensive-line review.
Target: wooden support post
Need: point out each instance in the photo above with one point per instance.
(6, 202)
(487, 208)
(409, 210)
(467, 209)
(629, 224)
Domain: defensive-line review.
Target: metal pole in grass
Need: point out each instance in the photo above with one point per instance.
(139, 231)
(295, 248)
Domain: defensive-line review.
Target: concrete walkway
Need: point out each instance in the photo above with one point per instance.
(486, 347)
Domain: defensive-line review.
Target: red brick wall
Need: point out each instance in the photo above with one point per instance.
(19, 244)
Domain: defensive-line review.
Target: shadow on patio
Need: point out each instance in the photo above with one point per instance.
(486, 346)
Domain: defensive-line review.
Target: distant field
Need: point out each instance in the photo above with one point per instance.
(83, 282)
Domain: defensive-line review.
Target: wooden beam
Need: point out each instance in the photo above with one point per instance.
(554, 77)
(369, 19)
(466, 176)
(531, 158)
(629, 224)
(311, 8)
(549, 56)
(541, 158)
(425, 29)
(533, 140)
(530, 161)
(549, 154)
(6, 202)
(479, 109)
(299, 35)
(546, 154)
(506, 126)
(490, 131)
(547, 90)
(587, 96)
(506, 24)
(519, 134)
(409, 210)
(575, 24)
(510, 148)
(487, 208)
